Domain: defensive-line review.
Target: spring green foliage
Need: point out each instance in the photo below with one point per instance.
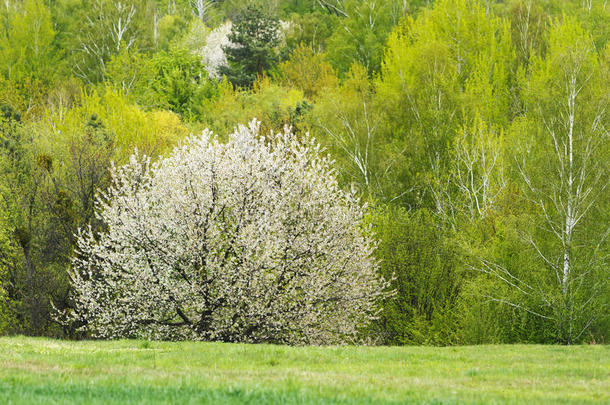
(361, 35)
(477, 130)
(126, 372)
(423, 264)
(441, 70)
(173, 80)
(6, 254)
(27, 50)
(566, 176)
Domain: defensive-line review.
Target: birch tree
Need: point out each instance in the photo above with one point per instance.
(27, 49)
(247, 240)
(361, 33)
(472, 187)
(440, 71)
(563, 167)
(108, 27)
(347, 117)
(201, 8)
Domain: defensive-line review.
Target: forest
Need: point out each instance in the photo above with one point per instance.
(475, 134)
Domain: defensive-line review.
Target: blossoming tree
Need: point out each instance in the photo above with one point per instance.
(249, 240)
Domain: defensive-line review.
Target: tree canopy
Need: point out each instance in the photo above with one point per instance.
(474, 133)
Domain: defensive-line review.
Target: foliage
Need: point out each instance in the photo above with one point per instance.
(31, 278)
(107, 27)
(174, 80)
(311, 30)
(131, 72)
(29, 58)
(348, 119)
(243, 241)
(478, 128)
(308, 72)
(127, 126)
(253, 37)
(361, 34)
(6, 256)
(422, 266)
(442, 70)
(275, 105)
(170, 28)
(181, 83)
(27, 50)
(566, 178)
(51, 171)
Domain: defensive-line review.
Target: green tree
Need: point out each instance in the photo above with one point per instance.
(174, 80)
(51, 171)
(30, 62)
(29, 281)
(311, 29)
(103, 29)
(347, 119)
(361, 34)
(308, 72)
(181, 83)
(419, 260)
(562, 169)
(442, 70)
(273, 104)
(7, 254)
(27, 50)
(131, 72)
(254, 38)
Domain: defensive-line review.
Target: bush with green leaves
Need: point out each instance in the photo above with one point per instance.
(416, 256)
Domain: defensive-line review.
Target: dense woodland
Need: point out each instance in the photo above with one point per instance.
(476, 132)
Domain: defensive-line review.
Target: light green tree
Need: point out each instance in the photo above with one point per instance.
(26, 43)
(347, 118)
(563, 171)
(104, 28)
(449, 66)
(361, 32)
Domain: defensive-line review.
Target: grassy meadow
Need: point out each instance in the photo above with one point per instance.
(37, 371)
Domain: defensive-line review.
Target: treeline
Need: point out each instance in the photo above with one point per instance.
(476, 131)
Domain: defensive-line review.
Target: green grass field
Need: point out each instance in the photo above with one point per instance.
(36, 370)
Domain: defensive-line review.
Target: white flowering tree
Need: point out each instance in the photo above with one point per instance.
(250, 240)
(212, 53)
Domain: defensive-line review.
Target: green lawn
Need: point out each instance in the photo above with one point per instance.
(35, 370)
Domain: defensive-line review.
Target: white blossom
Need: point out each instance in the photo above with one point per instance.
(250, 240)
(212, 53)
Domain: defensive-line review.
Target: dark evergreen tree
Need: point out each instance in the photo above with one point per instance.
(254, 38)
